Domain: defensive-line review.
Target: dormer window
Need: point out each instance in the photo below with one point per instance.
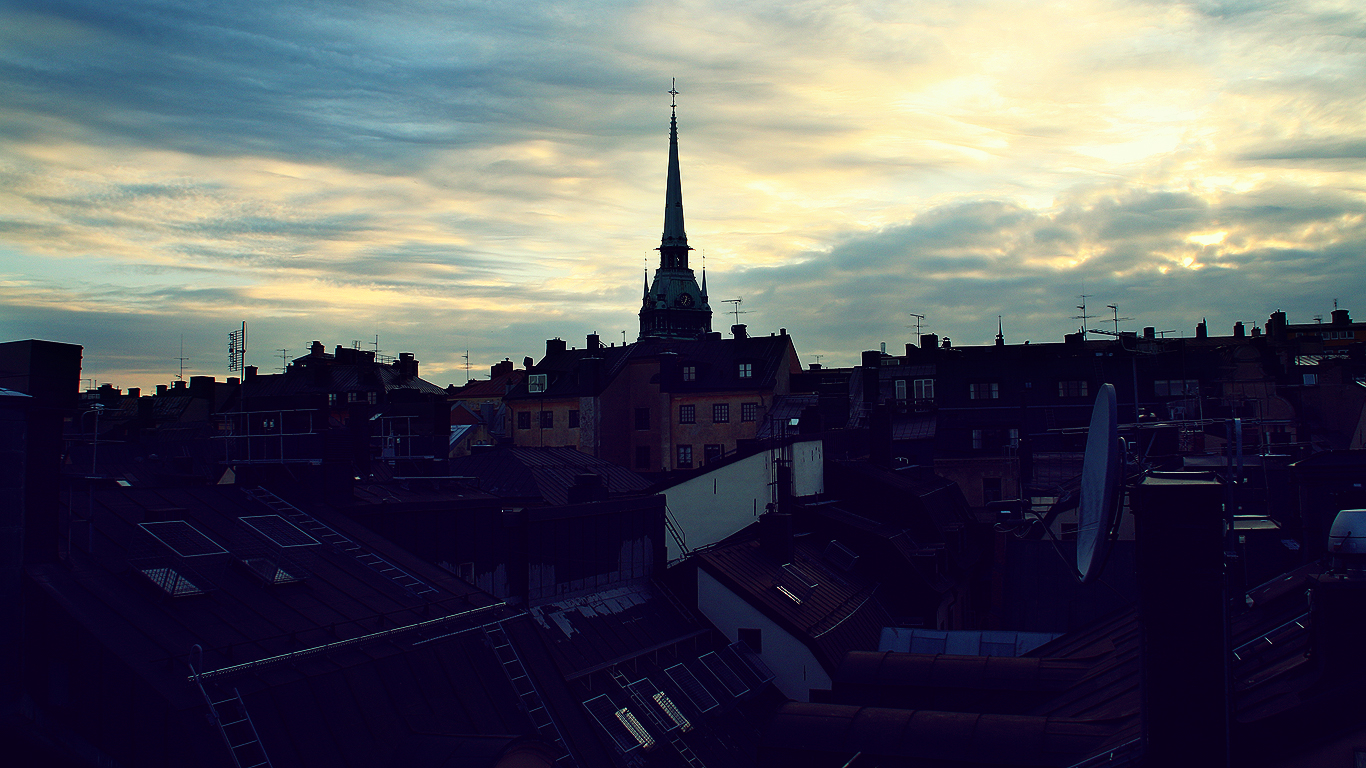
(746, 370)
(690, 373)
(536, 383)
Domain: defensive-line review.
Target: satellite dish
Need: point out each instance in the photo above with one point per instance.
(1098, 508)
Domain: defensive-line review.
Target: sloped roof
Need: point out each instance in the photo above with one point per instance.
(592, 632)
(544, 473)
(716, 363)
(393, 668)
(841, 614)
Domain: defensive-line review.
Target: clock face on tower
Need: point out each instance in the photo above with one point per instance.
(684, 300)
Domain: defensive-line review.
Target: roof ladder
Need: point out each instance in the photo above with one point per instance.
(341, 543)
(526, 689)
(233, 721)
(675, 531)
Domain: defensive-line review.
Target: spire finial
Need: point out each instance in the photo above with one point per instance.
(673, 93)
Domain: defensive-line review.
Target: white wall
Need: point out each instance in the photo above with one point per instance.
(716, 504)
(795, 669)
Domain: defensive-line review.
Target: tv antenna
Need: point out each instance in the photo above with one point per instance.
(735, 310)
(1083, 317)
(918, 318)
(467, 365)
(284, 359)
(183, 359)
(1115, 309)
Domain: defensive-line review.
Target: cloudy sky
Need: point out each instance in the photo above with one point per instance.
(481, 176)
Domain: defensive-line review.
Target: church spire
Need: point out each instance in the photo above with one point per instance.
(673, 246)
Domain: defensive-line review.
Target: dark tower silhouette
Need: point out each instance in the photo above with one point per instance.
(674, 306)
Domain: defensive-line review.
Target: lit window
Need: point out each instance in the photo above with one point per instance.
(720, 413)
(331, 398)
(901, 389)
(536, 383)
(690, 373)
(749, 412)
(746, 370)
(977, 439)
(372, 397)
(687, 414)
(685, 457)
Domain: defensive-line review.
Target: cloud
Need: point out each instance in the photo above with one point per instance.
(475, 175)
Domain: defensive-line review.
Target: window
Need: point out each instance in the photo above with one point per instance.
(536, 383)
(977, 439)
(1176, 387)
(923, 389)
(687, 414)
(642, 457)
(1072, 389)
(1013, 437)
(642, 418)
(353, 397)
(901, 389)
(991, 489)
(547, 419)
(690, 373)
(749, 412)
(573, 419)
(754, 638)
(984, 390)
(720, 413)
(714, 452)
(524, 419)
(331, 398)
(685, 457)
(1310, 379)
(372, 397)
(746, 370)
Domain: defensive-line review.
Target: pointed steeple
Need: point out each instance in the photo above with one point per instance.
(673, 246)
(674, 306)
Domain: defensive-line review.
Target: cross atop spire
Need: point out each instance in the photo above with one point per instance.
(673, 92)
(673, 246)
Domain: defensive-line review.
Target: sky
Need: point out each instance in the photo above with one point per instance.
(473, 178)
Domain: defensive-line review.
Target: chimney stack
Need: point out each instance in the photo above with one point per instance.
(739, 331)
(1238, 331)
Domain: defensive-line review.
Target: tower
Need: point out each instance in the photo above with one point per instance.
(674, 305)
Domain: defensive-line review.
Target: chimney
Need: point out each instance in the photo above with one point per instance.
(594, 342)
(528, 363)
(135, 392)
(1275, 326)
(1238, 331)
(1337, 599)
(553, 346)
(316, 349)
(202, 387)
(1341, 317)
(1149, 332)
(499, 369)
(1201, 330)
(775, 536)
(161, 389)
(249, 372)
(1256, 332)
(407, 365)
(782, 331)
(929, 341)
(1179, 557)
(739, 331)
(947, 343)
(872, 366)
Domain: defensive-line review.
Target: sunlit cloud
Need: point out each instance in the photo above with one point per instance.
(453, 176)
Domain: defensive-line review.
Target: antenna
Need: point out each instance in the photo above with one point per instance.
(1114, 308)
(237, 348)
(918, 318)
(1083, 317)
(467, 365)
(284, 359)
(183, 359)
(735, 310)
(818, 358)
(1102, 466)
